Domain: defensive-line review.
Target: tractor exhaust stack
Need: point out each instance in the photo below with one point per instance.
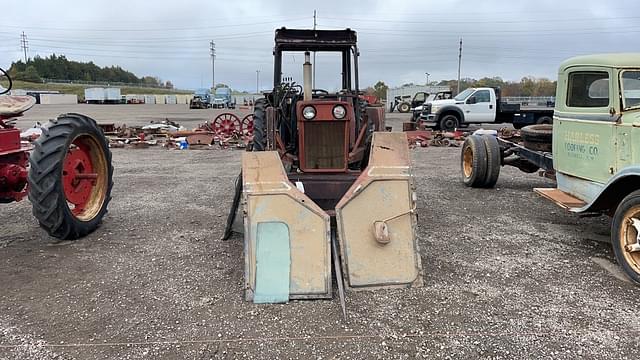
(306, 70)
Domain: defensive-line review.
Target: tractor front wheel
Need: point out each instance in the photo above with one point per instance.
(70, 177)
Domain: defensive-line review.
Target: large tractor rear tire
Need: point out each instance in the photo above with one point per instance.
(259, 125)
(70, 177)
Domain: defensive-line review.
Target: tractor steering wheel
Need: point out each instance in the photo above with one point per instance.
(4, 91)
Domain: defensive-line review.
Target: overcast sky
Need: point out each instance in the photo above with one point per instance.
(399, 40)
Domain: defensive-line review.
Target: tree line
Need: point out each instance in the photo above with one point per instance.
(58, 67)
(527, 86)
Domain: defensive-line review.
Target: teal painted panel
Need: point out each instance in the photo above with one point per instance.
(273, 263)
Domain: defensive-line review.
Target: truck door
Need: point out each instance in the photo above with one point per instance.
(418, 99)
(480, 107)
(628, 130)
(583, 126)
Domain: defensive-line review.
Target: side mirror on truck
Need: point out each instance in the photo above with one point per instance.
(472, 100)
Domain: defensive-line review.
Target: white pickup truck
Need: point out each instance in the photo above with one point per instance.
(480, 105)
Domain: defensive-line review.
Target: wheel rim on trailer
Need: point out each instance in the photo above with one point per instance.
(226, 124)
(247, 125)
(630, 236)
(467, 163)
(84, 177)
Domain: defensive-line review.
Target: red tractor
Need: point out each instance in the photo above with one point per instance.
(324, 181)
(66, 172)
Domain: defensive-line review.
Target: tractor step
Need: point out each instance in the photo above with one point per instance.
(561, 198)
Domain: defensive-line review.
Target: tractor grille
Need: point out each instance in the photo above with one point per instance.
(324, 145)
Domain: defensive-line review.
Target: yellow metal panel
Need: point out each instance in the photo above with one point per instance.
(383, 192)
(369, 263)
(270, 197)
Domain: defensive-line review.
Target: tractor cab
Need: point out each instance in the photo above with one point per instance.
(318, 131)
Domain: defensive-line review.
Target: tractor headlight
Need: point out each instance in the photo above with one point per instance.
(339, 112)
(309, 112)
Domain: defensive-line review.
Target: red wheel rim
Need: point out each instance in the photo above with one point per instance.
(83, 177)
(227, 124)
(247, 125)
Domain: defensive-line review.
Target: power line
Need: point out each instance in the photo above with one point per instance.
(475, 21)
(157, 29)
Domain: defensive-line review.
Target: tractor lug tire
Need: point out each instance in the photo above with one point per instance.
(46, 164)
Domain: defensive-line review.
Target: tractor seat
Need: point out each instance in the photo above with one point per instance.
(13, 105)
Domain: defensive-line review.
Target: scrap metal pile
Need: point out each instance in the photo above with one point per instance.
(227, 130)
(425, 138)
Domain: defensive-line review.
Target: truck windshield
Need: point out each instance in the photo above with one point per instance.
(631, 89)
(463, 95)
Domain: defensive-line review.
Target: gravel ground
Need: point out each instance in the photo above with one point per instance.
(507, 275)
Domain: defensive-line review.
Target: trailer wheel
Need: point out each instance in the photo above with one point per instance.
(547, 120)
(473, 161)
(70, 177)
(537, 137)
(494, 161)
(449, 122)
(259, 125)
(625, 235)
(404, 107)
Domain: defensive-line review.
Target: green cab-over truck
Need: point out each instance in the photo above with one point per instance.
(592, 149)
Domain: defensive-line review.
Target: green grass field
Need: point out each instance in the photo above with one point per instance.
(79, 89)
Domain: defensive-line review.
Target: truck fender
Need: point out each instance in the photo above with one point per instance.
(620, 185)
(449, 109)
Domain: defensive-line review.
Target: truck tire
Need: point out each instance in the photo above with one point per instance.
(537, 137)
(473, 161)
(404, 107)
(624, 235)
(70, 177)
(494, 161)
(449, 122)
(548, 120)
(259, 125)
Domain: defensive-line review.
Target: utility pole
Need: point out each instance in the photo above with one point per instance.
(257, 81)
(313, 79)
(212, 48)
(459, 62)
(24, 44)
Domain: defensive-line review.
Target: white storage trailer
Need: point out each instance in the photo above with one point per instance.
(102, 95)
(112, 95)
(58, 99)
(94, 95)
